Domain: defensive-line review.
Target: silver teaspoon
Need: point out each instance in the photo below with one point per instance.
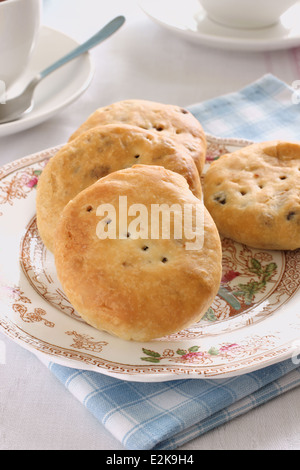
(15, 107)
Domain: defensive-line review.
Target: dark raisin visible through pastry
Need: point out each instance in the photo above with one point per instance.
(220, 198)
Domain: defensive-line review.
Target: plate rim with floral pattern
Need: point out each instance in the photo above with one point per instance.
(253, 322)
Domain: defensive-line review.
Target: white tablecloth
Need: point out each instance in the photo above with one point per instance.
(141, 61)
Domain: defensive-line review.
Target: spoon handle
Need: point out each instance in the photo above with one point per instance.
(104, 33)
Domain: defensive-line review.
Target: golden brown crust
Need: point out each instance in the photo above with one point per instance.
(168, 120)
(253, 195)
(96, 153)
(136, 289)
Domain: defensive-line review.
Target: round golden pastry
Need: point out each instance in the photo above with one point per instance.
(96, 153)
(166, 119)
(253, 195)
(137, 288)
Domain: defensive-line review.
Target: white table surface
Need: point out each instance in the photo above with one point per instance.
(141, 61)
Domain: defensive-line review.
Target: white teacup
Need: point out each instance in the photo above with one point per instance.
(246, 13)
(19, 26)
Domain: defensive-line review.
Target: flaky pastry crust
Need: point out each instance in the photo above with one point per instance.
(137, 289)
(166, 119)
(253, 195)
(96, 153)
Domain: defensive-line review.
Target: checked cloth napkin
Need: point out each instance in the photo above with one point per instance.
(165, 415)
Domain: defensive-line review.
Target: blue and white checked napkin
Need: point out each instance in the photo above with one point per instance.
(264, 110)
(167, 415)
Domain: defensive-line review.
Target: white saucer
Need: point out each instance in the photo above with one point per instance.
(189, 20)
(57, 90)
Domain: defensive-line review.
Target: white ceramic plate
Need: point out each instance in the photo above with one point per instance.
(188, 19)
(253, 322)
(57, 90)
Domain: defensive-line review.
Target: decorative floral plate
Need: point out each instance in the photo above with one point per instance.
(253, 322)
